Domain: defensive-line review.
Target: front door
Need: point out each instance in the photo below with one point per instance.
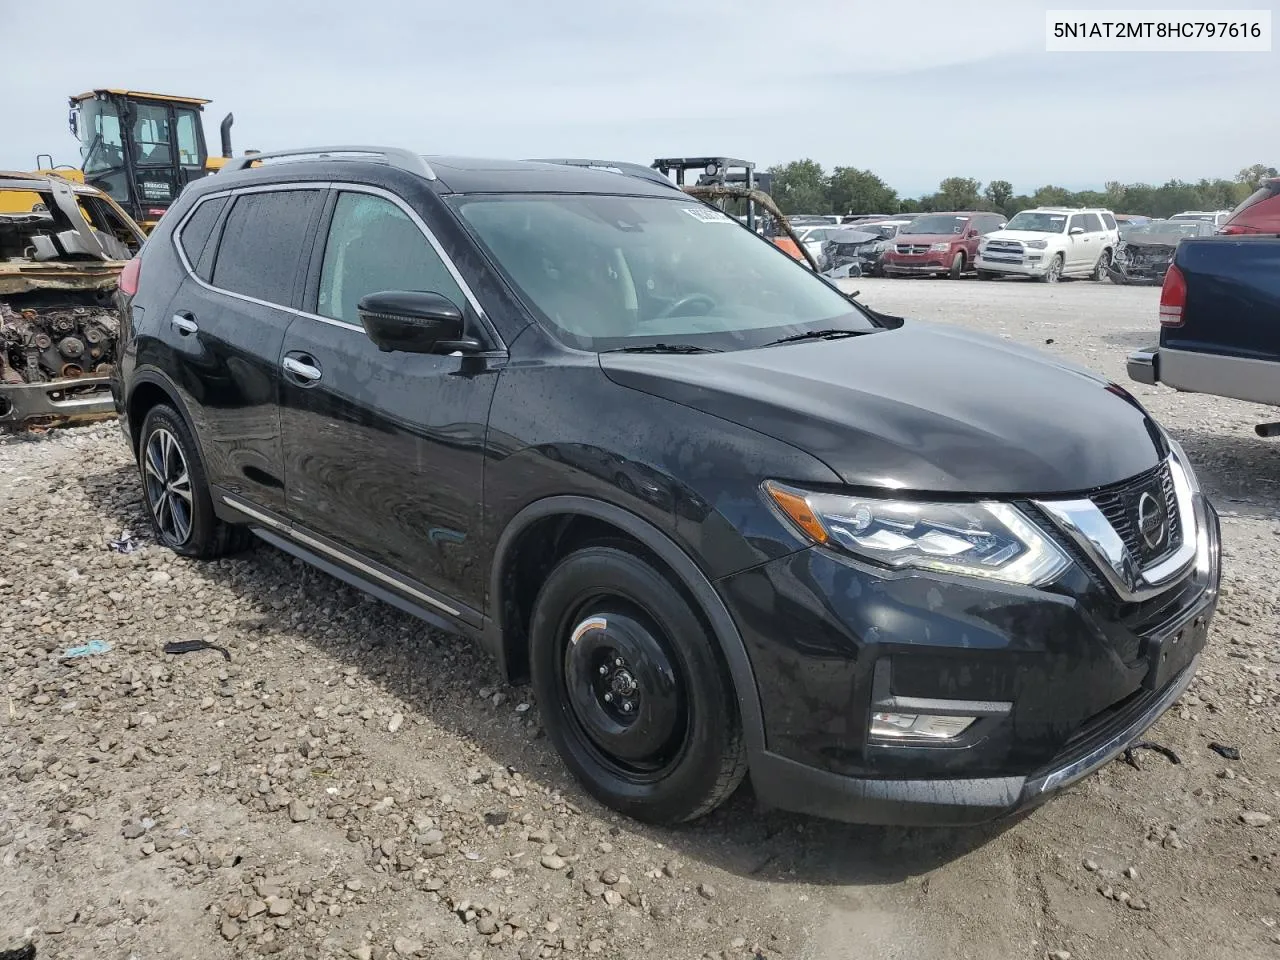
(384, 451)
(1079, 247)
(226, 324)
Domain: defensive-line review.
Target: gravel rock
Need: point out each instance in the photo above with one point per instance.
(1252, 818)
(553, 861)
(395, 723)
(706, 891)
(404, 947)
(299, 811)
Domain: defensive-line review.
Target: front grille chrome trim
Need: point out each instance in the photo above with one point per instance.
(1087, 526)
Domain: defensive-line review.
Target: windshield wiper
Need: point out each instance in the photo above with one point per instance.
(665, 348)
(817, 335)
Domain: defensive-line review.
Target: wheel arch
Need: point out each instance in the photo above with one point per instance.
(576, 517)
(148, 389)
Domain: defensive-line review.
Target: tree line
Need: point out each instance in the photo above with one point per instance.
(802, 186)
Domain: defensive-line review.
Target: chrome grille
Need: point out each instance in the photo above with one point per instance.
(1119, 504)
(912, 248)
(1003, 246)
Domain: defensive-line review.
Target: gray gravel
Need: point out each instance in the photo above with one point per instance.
(351, 784)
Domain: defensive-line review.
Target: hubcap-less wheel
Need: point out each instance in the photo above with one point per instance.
(1100, 271)
(1054, 271)
(624, 692)
(168, 483)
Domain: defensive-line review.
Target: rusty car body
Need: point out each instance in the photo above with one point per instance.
(62, 247)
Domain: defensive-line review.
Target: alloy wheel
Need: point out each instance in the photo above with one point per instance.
(168, 486)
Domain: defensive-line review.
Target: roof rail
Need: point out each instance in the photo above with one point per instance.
(637, 170)
(397, 157)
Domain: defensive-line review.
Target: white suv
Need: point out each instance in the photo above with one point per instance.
(1049, 243)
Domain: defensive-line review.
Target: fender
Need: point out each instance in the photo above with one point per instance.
(674, 556)
(159, 378)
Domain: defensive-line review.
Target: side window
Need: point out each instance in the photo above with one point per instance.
(151, 135)
(1077, 220)
(1109, 220)
(188, 140)
(374, 246)
(195, 233)
(1092, 224)
(262, 243)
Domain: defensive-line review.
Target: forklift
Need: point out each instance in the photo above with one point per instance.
(719, 172)
(143, 148)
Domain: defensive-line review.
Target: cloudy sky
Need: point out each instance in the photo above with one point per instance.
(915, 91)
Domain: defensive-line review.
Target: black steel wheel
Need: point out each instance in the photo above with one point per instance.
(632, 689)
(177, 492)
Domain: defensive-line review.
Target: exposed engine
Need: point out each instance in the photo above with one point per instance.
(1142, 263)
(47, 336)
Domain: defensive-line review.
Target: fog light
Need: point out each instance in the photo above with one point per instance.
(900, 726)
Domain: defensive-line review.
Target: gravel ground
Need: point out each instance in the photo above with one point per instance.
(346, 783)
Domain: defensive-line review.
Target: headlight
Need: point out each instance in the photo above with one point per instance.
(991, 540)
(1037, 244)
(940, 247)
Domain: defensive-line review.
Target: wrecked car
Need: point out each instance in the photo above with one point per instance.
(62, 247)
(858, 250)
(1144, 255)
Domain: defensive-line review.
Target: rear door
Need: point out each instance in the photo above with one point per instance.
(384, 450)
(1095, 239)
(244, 254)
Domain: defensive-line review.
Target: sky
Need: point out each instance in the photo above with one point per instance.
(915, 91)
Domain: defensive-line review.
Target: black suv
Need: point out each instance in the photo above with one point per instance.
(723, 516)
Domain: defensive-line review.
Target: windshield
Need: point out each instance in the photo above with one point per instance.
(1038, 222)
(1183, 228)
(936, 224)
(610, 272)
(101, 144)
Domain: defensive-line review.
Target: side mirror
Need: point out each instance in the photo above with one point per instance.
(971, 234)
(413, 321)
(1074, 230)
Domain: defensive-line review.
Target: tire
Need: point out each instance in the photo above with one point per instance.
(1100, 269)
(986, 275)
(957, 267)
(1054, 273)
(175, 489)
(632, 689)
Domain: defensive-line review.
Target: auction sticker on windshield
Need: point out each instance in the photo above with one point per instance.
(708, 215)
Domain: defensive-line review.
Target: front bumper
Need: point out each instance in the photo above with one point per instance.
(1021, 267)
(81, 398)
(925, 265)
(1083, 675)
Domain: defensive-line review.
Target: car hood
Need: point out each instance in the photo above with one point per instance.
(1022, 235)
(919, 238)
(922, 407)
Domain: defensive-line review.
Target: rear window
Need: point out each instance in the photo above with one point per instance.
(262, 243)
(195, 233)
(1092, 224)
(1264, 192)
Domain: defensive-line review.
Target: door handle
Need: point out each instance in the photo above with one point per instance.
(184, 324)
(301, 370)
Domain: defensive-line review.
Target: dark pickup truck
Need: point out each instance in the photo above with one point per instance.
(1219, 322)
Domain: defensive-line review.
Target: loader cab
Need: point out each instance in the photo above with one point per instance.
(140, 148)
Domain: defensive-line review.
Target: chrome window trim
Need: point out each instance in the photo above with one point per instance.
(1089, 529)
(467, 292)
(342, 555)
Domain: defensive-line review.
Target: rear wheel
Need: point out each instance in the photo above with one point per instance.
(1100, 271)
(632, 690)
(957, 267)
(177, 491)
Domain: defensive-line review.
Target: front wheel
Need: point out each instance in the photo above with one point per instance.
(1053, 273)
(631, 688)
(957, 267)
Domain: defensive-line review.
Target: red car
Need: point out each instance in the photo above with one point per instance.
(936, 244)
(1259, 213)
